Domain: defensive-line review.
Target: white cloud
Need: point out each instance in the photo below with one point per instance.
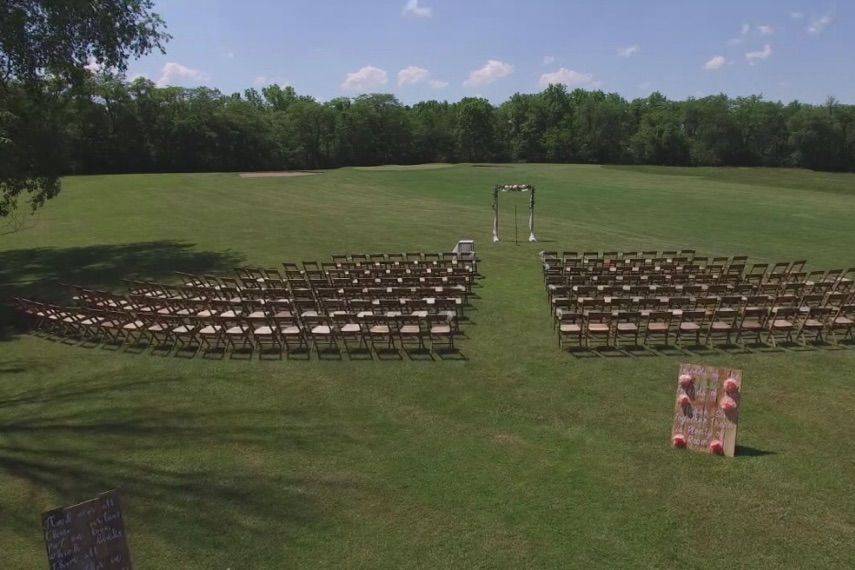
(818, 25)
(413, 10)
(628, 51)
(490, 72)
(437, 84)
(548, 59)
(754, 56)
(230, 54)
(265, 80)
(411, 75)
(766, 30)
(365, 79)
(744, 29)
(734, 41)
(569, 78)
(715, 63)
(797, 15)
(177, 74)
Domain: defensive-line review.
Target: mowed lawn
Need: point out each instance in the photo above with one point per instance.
(519, 455)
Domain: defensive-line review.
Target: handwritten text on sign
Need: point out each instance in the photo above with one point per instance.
(706, 411)
(88, 535)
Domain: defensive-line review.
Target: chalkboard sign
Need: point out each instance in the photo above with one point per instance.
(706, 410)
(87, 536)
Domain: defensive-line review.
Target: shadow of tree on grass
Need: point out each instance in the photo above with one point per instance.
(39, 272)
(188, 477)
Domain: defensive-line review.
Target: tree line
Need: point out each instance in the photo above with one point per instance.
(58, 116)
(108, 125)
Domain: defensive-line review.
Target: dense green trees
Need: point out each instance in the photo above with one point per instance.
(109, 125)
(106, 124)
(65, 107)
(46, 50)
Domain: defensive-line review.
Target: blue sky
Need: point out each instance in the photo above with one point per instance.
(448, 49)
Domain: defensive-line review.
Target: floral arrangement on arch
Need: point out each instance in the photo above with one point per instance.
(514, 187)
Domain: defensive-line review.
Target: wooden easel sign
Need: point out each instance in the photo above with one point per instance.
(87, 535)
(706, 409)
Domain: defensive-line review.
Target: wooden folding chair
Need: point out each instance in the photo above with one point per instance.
(442, 331)
(843, 320)
(305, 307)
(348, 329)
(210, 333)
(111, 325)
(797, 266)
(570, 326)
(707, 304)
(598, 325)
(627, 324)
(265, 336)
(182, 330)
(410, 328)
(811, 300)
(817, 322)
(133, 327)
(658, 324)
(786, 300)
(732, 302)
(778, 272)
(236, 330)
(836, 300)
(158, 328)
(753, 321)
(379, 330)
(783, 320)
(322, 332)
(723, 324)
(692, 323)
(69, 321)
(290, 330)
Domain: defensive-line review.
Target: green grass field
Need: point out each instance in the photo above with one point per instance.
(520, 455)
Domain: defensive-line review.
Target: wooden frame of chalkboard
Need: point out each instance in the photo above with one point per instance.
(87, 535)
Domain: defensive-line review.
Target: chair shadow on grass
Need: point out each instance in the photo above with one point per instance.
(41, 272)
(83, 437)
(418, 353)
(676, 351)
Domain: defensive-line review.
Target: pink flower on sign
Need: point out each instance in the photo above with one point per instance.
(686, 380)
(716, 447)
(728, 404)
(684, 400)
(679, 440)
(731, 386)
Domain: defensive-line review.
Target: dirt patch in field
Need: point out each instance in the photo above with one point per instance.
(398, 167)
(278, 174)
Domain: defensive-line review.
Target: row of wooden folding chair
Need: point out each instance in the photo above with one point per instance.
(642, 277)
(732, 294)
(834, 279)
(724, 324)
(708, 301)
(448, 289)
(236, 331)
(689, 253)
(299, 308)
(426, 299)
